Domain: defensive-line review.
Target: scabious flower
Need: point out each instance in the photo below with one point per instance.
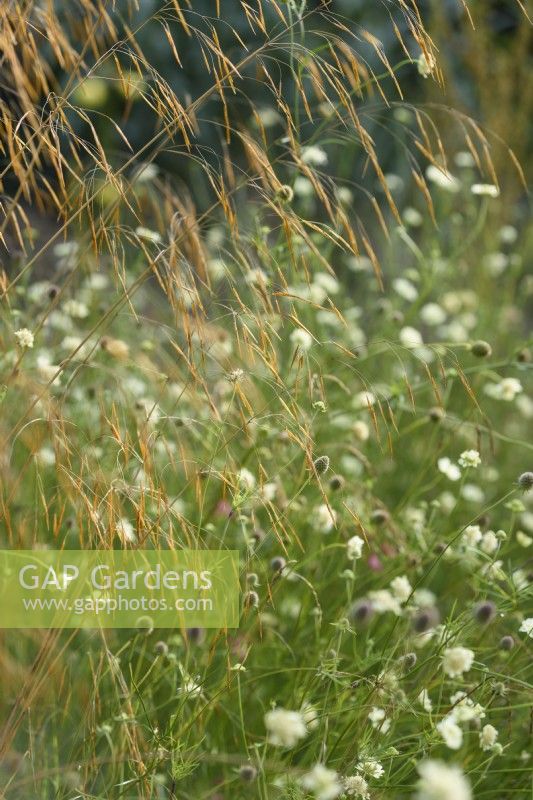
(487, 737)
(74, 308)
(378, 719)
(456, 660)
(489, 543)
(425, 64)
(361, 430)
(310, 715)
(247, 773)
(465, 709)
(24, 338)
(321, 464)
(125, 531)
(450, 732)
(362, 611)
(485, 189)
(324, 519)
(448, 468)
(484, 611)
(322, 782)
(115, 348)
(432, 314)
(481, 349)
(246, 479)
(472, 535)
(523, 539)
(470, 458)
(148, 235)
(507, 389)
(371, 767)
(301, 339)
(285, 728)
(364, 399)
(527, 627)
(411, 216)
(443, 179)
(401, 588)
(525, 481)
(410, 337)
(312, 154)
(356, 786)
(405, 289)
(354, 547)
(383, 601)
(472, 493)
(440, 781)
(424, 700)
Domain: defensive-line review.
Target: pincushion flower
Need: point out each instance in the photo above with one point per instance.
(322, 782)
(440, 781)
(24, 338)
(285, 728)
(456, 660)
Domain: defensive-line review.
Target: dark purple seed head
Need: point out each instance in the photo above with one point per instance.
(485, 611)
(278, 564)
(195, 635)
(161, 648)
(525, 481)
(247, 773)
(361, 612)
(408, 661)
(336, 482)
(425, 619)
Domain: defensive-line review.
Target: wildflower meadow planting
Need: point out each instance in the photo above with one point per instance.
(266, 466)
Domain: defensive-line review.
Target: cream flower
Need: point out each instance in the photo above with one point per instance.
(450, 732)
(322, 782)
(440, 781)
(285, 728)
(25, 338)
(487, 737)
(354, 547)
(456, 660)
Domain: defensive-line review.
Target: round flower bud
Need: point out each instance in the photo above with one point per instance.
(408, 661)
(247, 773)
(361, 612)
(524, 356)
(145, 625)
(425, 619)
(277, 564)
(285, 194)
(321, 464)
(195, 635)
(485, 611)
(436, 414)
(161, 648)
(481, 349)
(506, 643)
(379, 516)
(336, 482)
(525, 481)
(258, 535)
(251, 599)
